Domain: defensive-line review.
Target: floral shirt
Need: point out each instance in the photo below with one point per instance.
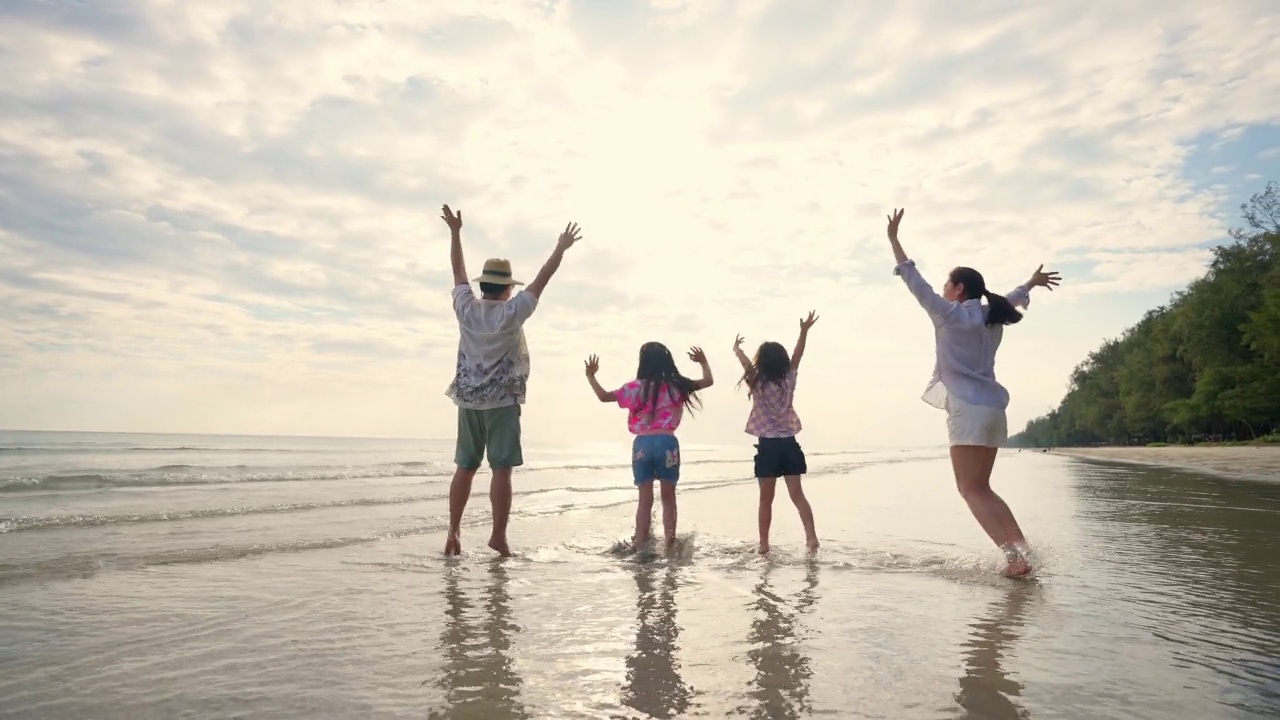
(666, 417)
(773, 414)
(493, 359)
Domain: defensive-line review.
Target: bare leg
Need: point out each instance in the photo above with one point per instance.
(668, 511)
(500, 500)
(972, 465)
(459, 493)
(796, 491)
(767, 486)
(644, 515)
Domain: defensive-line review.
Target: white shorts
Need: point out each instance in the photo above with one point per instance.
(975, 424)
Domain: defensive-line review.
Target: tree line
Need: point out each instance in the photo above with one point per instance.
(1206, 366)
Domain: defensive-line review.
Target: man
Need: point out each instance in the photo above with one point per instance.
(493, 371)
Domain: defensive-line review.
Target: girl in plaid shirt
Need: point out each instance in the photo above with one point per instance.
(771, 384)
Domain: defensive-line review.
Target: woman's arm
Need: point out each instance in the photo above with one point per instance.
(593, 367)
(742, 357)
(934, 304)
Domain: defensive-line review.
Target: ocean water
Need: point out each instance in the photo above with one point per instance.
(161, 576)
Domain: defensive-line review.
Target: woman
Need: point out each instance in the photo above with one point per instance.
(967, 335)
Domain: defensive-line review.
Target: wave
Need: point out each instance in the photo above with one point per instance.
(178, 475)
(103, 449)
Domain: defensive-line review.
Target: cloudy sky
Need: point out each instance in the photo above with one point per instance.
(223, 216)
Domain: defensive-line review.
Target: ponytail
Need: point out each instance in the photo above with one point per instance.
(1000, 311)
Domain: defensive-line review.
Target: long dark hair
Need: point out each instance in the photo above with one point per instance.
(771, 364)
(999, 310)
(658, 368)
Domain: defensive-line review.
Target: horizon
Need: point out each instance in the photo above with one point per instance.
(224, 221)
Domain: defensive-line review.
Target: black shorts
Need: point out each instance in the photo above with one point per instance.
(779, 457)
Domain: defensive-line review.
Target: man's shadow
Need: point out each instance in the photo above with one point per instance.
(781, 685)
(479, 678)
(986, 689)
(653, 685)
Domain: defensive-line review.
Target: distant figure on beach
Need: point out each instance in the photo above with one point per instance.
(967, 335)
(655, 401)
(491, 377)
(771, 384)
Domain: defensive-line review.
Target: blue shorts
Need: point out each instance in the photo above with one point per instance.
(655, 457)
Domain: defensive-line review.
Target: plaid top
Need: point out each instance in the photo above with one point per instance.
(773, 414)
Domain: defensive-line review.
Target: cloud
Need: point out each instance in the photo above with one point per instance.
(223, 215)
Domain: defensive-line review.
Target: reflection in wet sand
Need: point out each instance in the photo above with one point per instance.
(479, 678)
(987, 692)
(781, 685)
(653, 685)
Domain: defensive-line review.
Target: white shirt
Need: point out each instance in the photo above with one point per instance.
(966, 346)
(493, 359)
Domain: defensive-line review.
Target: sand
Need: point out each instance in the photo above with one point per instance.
(1247, 462)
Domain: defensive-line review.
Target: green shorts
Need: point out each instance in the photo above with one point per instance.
(495, 432)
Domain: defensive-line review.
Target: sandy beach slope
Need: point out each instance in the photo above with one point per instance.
(1252, 462)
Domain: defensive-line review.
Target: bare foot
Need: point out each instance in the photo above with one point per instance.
(764, 548)
(452, 546)
(1019, 568)
(813, 545)
(499, 545)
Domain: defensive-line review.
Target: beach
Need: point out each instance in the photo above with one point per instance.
(219, 577)
(1247, 462)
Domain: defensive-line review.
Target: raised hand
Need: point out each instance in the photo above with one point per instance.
(696, 355)
(894, 220)
(737, 344)
(806, 323)
(454, 221)
(592, 365)
(571, 235)
(1040, 278)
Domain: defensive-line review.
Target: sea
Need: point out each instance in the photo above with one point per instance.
(221, 576)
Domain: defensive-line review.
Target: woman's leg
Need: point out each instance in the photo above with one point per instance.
(972, 465)
(644, 514)
(796, 491)
(668, 490)
(767, 486)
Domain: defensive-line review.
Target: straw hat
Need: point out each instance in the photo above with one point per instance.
(498, 272)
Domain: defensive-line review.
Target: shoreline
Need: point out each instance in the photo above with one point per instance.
(1239, 462)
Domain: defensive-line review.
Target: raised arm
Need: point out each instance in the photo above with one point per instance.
(593, 367)
(1021, 295)
(696, 355)
(934, 304)
(805, 324)
(742, 357)
(570, 236)
(455, 246)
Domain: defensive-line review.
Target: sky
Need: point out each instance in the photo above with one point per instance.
(223, 216)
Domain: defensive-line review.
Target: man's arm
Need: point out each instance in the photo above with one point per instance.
(570, 236)
(593, 366)
(455, 246)
(696, 355)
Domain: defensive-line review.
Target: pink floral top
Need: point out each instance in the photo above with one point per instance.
(773, 414)
(667, 416)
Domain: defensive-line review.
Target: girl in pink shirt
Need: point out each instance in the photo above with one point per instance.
(655, 401)
(771, 385)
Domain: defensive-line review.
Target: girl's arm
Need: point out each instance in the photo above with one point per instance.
(696, 355)
(742, 357)
(593, 367)
(805, 324)
(934, 304)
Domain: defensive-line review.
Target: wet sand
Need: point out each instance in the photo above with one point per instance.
(1245, 462)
